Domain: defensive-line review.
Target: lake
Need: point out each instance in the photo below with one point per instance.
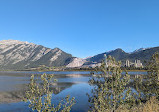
(74, 83)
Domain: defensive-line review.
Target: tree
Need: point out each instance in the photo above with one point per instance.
(151, 81)
(110, 88)
(39, 96)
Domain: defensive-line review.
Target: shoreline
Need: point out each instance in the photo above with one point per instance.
(61, 70)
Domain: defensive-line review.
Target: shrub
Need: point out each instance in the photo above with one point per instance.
(39, 96)
(111, 91)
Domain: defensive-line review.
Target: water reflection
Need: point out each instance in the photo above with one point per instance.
(14, 84)
(77, 90)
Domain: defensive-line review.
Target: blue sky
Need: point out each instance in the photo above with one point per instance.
(82, 27)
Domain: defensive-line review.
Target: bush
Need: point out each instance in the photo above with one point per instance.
(151, 105)
(111, 91)
(39, 96)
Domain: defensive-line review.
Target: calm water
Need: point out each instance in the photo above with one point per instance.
(75, 84)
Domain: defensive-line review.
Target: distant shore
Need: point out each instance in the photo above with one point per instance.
(67, 70)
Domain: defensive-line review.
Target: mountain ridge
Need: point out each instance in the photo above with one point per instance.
(120, 55)
(16, 54)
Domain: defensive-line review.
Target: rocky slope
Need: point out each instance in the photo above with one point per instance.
(15, 54)
(76, 62)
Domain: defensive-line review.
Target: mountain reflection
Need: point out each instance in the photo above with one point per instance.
(13, 85)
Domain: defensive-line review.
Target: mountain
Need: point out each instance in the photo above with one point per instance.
(16, 54)
(120, 55)
(143, 55)
(93, 61)
(19, 55)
